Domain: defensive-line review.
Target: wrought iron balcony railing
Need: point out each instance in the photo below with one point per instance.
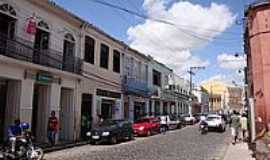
(22, 50)
(138, 87)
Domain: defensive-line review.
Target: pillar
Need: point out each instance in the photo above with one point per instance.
(147, 107)
(131, 108)
(26, 100)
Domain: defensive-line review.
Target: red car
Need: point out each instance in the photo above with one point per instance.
(146, 126)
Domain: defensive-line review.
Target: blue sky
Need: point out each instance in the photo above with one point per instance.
(117, 23)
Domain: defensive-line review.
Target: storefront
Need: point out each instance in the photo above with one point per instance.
(108, 104)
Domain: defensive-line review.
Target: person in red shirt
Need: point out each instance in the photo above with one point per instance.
(52, 128)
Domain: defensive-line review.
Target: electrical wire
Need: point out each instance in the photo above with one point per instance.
(183, 30)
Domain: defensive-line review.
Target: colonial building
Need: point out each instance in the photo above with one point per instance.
(50, 59)
(40, 65)
(202, 99)
(257, 38)
(135, 84)
(223, 96)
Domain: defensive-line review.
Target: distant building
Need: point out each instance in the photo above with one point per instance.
(202, 99)
(223, 96)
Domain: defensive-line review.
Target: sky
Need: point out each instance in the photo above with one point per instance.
(202, 32)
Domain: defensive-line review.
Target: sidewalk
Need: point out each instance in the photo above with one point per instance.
(238, 151)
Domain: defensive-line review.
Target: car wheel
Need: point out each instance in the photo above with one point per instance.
(113, 140)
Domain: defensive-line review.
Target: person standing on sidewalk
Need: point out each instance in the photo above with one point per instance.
(163, 124)
(243, 121)
(235, 126)
(52, 128)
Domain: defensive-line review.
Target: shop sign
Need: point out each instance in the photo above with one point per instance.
(44, 78)
(105, 93)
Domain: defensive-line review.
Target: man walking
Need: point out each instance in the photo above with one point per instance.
(52, 128)
(235, 126)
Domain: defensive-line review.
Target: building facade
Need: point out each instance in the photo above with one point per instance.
(202, 99)
(135, 84)
(52, 60)
(40, 66)
(223, 96)
(256, 38)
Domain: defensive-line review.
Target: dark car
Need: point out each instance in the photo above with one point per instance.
(111, 131)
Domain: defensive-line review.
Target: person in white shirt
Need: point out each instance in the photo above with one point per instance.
(163, 124)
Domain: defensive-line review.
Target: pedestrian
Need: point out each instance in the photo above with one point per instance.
(52, 128)
(163, 124)
(235, 126)
(243, 121)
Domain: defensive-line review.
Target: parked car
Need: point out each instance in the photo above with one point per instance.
(111, 131)
(146, 126)
(216, 121)
(172, 122)
(189, 119)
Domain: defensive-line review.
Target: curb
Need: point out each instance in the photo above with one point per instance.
(64, 146)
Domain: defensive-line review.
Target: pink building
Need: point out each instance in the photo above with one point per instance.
(257, 48)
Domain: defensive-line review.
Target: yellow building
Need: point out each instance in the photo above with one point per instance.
(223, 96)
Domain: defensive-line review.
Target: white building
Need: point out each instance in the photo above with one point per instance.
(202, 97)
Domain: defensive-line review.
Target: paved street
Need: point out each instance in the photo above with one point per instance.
(184, 144)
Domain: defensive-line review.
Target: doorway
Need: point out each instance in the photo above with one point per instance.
(3, 97)
(86, 114)
(7, 26)
(66, 115)
(40, 112)
(107, 108)
(139, 110)
(41, 44)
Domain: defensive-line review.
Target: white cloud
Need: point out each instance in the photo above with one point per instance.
(227, 61)
(173, 45)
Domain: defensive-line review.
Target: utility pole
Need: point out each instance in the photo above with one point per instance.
(191, 73)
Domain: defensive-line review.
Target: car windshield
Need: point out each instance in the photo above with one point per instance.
(107, 123)
(212, 118)
(143, 121)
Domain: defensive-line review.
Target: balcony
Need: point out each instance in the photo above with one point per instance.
(22, 50)
(172, 95)
(137, 87)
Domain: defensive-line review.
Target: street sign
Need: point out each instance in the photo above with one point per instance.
(44, 78)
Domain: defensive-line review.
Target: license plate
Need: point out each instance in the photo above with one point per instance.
(95, 137)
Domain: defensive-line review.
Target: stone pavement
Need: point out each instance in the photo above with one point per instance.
(238, 151)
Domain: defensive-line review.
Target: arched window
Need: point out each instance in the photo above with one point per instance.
(8, 9)
(43, 25)
(69, 37)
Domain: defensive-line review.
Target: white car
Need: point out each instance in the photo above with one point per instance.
(216, 121)
(172, 122)
(189, 119)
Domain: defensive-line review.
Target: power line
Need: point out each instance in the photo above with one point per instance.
(183, 30)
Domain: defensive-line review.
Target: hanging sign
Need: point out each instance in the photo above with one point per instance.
(31, 25)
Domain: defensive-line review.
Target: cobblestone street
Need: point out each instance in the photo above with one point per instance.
(184, 144)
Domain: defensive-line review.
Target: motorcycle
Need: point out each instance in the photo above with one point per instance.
(24, 149)
(203, 129)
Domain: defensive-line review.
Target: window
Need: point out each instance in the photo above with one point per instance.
(89, 51)
(116, 61)
(156, 78)
(104, 56)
